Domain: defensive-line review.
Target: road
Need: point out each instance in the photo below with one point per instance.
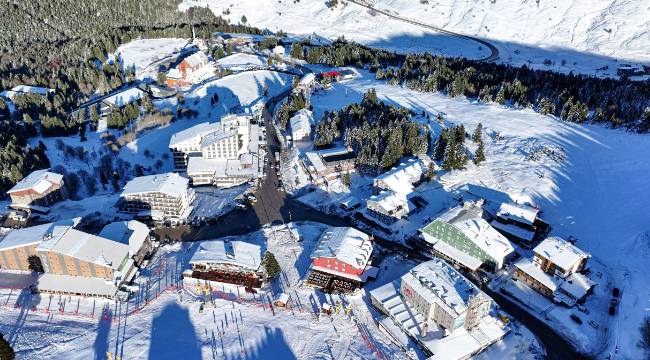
(494, 52)
(274, 206)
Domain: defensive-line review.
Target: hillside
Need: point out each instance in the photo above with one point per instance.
(574, 35)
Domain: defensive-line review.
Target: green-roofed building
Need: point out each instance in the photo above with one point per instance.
(464, 238)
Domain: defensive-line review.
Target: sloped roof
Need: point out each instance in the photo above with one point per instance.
(196, 59)
(39, 181)
(195, 131)
(88, 247)
(400, 179)
(521, 213)
(345, 244)
(577, 285)
(527, 266)
(169, 183)
(124, 97)
(389, 201)
(237, 253)
(302, 120)
(132, 233)
(560, 252)
(485, 237)
(440, 282)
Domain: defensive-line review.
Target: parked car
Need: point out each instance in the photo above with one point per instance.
(583, 309)
(614, 302)
(616, 292)
(593, 324)
(576, 319)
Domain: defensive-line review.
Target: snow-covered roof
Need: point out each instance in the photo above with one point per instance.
(196, 59)
(345, 244)
(39, 181)
(279, 49)
(308, 79)
(124, 97)
(400, 179)
(389, 201)
(560, 252)
(88, 247)
(35, 234)
(440, 282)
(132, 233)
(196, 131)
(461, 257)
(25, 89)
(302, 120)
(76, 285)
(527, 266)
(334, 151)
(216, 136)
(577, 285)
(515, 230)
(485, 237)
(218, 167)
(521, 213)
(169, 183)
(315, 160)
(237, 253)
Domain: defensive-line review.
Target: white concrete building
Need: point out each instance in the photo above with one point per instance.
(162, 195)
(389, 207)
(301, 124)
(402, 178)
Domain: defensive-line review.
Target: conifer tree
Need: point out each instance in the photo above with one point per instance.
(478, 133)
(6, 352)
(479, 155)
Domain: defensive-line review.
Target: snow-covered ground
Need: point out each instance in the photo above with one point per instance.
(159, 322)
(140, 54)
(595, 190)
(574, 35)
(241, 61)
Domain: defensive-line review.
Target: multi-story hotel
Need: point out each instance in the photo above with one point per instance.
(162, 195)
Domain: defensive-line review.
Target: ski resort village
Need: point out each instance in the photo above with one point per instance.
(390, 179)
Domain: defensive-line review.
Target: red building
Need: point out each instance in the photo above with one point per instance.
(185, 72)
(341, 260)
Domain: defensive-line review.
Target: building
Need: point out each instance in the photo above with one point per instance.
(120, 99)
(19, 245)
(389, 207)
(305, 86)
(301, 124)
(37, 191)
(402, 179)
(518, 222)
(132, 233)
(329, 164)
(25, 90)
(555, 271)
(341, 260)
(189, 70)
(447, 315)
(278, 50)
(224, 154)
(162, 196)
(464, 238)
(233, 262)
(73, 262)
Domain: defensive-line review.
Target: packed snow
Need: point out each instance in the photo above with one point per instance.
(143, 54)
(575, 35)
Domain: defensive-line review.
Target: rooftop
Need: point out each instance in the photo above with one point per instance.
(39, 181)
(527, 266)
(237, 253)
(35, 234)
(215, 136)
(302, 120)
(560, 252)
(193, 132)
(124, 97)
(196, 59)
(88, 247)
(521, 213)
(132, 233)
(439, 281)
(76, 285)
(345, 244)
(400, 179)
(170, 183)
(390, 201)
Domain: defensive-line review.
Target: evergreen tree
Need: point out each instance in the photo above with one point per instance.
(441, 146)
(450, 158)
(478, 134)
(431, 171)
(347, 179)
(479, 155)
(271, 265)
(297, 52)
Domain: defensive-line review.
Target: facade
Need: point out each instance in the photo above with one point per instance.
(165, 194)
(555, 271)
(73, 262)
(39, 189)
(301, 125)
(388, 207)
(329, 163)
(188, 71)
(132, 233)
(464, 238)
(234, 262)
(223, 154)
(441, 295)
(341, 259)
(517, 221)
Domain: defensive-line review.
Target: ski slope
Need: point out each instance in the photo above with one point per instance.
(575, 35)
